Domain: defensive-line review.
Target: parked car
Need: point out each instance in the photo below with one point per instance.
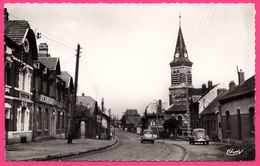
(199, 135)
(147, 136)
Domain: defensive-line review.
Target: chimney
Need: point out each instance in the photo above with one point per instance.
(210, 84)
(204, 88)
(232, 85)
(159, 106)
(6, 15)
(43, 50)
(220, 90)
(241, 77)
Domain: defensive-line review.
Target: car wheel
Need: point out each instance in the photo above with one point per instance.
(153, 142)
(142, 141)
(204, 143)
(190, 142)
(207, 142)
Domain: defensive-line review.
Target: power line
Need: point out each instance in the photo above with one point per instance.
(58, 42)
(48, 34)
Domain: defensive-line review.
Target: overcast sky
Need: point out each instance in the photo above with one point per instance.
(127, 48)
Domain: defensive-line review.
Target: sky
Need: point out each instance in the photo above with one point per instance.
(127, 48)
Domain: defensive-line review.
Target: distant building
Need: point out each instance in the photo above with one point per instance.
(86, 117)
(237, 110)
(131, 120)
(154, 117)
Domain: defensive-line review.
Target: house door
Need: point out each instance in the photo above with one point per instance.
(52, 125)
(208, 127)
(239, 129)
(219, 126)
(82, 129)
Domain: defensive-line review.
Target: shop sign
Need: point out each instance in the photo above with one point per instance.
(47, 100)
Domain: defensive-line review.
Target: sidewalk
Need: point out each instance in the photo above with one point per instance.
(53, 149)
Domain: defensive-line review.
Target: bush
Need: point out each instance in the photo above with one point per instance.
(163, 134)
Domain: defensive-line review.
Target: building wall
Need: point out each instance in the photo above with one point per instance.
(243, 104)
(18, 93)
(210, 124)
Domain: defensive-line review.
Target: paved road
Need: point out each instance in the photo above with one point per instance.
(129, 148)
(199, 152)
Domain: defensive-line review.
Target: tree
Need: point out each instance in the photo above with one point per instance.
(171, 125)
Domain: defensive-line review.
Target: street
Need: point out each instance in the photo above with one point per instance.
(129, 148)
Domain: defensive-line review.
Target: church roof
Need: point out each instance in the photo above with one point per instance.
(180, 54)
(176, 108)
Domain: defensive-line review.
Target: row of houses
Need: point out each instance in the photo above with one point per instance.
(230, 116)
(38, 94)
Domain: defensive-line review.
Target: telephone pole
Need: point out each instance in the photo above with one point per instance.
(102, 109)
(71, 129)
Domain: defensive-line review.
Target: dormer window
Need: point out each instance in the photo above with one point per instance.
(26, 45)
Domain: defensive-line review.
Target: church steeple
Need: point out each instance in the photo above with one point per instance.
(181, 66)
(180, 54)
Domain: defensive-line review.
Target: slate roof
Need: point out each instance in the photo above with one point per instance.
(176, 108)
(65, 76)
(246, 87)
(181, 50)
(50, 62)
(210, 109)
(85, 100)
(131, 112)
(16, 30)
(198, 91)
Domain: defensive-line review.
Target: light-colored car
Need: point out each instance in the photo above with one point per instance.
(199, 135)
(147, 136)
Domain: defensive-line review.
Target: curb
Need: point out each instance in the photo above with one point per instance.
(61, 155)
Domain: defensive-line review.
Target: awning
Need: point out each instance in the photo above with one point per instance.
(7, 105)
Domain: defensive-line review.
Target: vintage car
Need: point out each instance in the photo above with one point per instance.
(147, 136)
(199, 135)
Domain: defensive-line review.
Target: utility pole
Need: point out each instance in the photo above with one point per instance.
(157, 119)
(102, 109)
(109, 123)
(71, 129)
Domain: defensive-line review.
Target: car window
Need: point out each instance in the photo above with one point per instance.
(147, 132)
(199, 133)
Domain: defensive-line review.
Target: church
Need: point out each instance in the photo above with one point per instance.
(182, 94)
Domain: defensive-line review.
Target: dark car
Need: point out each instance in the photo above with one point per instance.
(199, 135)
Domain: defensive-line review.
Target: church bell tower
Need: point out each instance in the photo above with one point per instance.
(181, 70)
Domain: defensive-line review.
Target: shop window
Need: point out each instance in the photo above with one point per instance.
(8, 73)
(22, 117)
(58, 120)
(39, 119)
(62, 120)
(47, 119)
